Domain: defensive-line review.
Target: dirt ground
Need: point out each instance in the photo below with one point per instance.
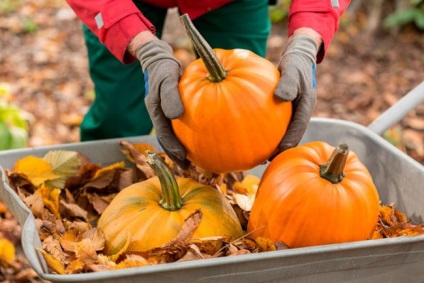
(44, 59)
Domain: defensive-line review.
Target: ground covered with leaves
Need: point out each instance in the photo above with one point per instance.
(43, 60)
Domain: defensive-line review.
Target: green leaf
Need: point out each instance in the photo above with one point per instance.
(5, 136)
(64, 163)
(19, 137)
(419, 19)
(401, 17)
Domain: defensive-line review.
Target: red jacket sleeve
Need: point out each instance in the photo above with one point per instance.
(320, 15)
(115, 22)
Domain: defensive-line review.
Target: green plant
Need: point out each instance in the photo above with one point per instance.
(28, 25)
(9, 6)
(414, 14)
(279, 12)
(13, 122)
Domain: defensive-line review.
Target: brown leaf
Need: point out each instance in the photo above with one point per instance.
(86, 252)
(105, 170)
(213, 246)
(194, 253)
(78, 226)
(73, 210)
(53, 247)
(139, 158)
(178, 247)
(35, 203)
(103, 263)
(96, 237)
(240, 252)
(250, 244)
(98, 203)
(103, 181)
(21, 184)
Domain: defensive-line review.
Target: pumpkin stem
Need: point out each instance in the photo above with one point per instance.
(216, 71)
(333, 170)
(171, 198)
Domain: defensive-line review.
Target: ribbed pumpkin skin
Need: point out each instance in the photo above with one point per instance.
(136, 210)
(298, 207)
(235, 124)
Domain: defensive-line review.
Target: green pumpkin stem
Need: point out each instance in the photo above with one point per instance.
(333, 170)
(216, 71)
(171, 198)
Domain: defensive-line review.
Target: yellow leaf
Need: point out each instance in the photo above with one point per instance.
(245, 192)
(76, 266)
(265, 244)
(53, 263)
(139, 147)
(248, 186)
(105, 170)
(36, 169)
(132, 261)
(50, 199)
(3, 208)
(7, 252)
(85, 251)
(68, 241)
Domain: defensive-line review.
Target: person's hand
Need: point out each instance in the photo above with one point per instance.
(297, 84)
(162, 73)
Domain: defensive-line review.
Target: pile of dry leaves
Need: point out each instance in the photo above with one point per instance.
(67, 194)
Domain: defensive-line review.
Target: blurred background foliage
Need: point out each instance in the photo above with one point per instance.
(376, 15)
(13, 121)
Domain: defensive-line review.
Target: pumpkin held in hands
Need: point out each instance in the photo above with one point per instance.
(231, 120)
(315, 194)
(151, 213)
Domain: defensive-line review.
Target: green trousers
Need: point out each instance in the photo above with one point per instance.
(119, 109)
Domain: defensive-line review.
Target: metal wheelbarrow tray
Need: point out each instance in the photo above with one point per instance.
(399, 179)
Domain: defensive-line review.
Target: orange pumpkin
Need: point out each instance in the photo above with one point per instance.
(151, 213)
(315, 194)
(231, 120)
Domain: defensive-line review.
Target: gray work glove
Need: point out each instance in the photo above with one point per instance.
(162, 73)
(297, 84)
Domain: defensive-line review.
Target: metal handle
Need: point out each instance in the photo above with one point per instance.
(399, 110)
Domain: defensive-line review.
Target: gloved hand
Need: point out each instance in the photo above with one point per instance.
(162, 73)
(297, 84)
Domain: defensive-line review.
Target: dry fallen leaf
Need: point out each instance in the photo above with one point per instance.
(36, 169)
(66, 216)
(7, 252)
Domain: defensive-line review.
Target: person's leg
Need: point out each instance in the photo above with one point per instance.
(239, 24)
(118, 109)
